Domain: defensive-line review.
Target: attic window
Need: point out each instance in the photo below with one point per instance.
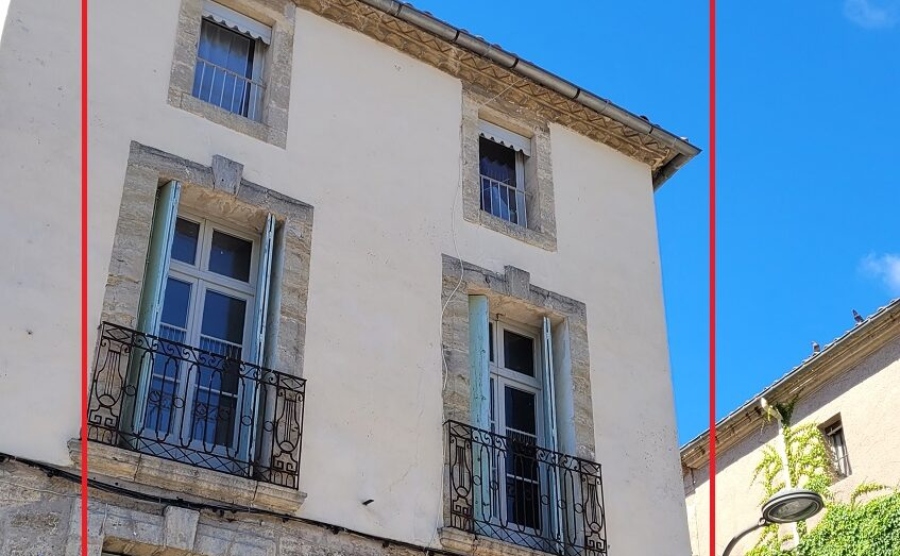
(229, 68)
(502, 158)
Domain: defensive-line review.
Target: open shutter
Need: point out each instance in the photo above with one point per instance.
(479, 361)
(156, 272)
(551, 437)
(479, 366)
(263, 284)
(157, 269)
(549, 389)
(251, 404)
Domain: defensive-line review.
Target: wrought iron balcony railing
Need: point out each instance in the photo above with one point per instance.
(227, 89)
(507, 488)
(504, 201)
(194, 406)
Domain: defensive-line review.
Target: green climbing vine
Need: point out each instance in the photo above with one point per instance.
(848, 528)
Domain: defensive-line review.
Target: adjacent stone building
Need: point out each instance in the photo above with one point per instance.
(359, 282)
(849, 390)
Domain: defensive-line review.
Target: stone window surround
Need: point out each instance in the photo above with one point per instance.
(539, 198)
(512, 294)
(838, 474)
(219, 191)
(277, 14)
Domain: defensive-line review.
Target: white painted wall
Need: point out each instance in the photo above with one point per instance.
(374, 146)
(4, 8)
(39, 220)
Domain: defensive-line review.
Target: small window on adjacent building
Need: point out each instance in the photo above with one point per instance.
(229, 70)
(834, 437)
(502, 155)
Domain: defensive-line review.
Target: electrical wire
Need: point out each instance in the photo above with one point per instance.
(218, 509)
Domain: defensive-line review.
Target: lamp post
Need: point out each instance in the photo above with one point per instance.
(788, 505)
(782, 449)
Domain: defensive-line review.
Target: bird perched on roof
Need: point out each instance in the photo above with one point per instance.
(816, 348)
(857, 317)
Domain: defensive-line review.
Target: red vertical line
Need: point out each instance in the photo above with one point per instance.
(712, 277)
(84, 276)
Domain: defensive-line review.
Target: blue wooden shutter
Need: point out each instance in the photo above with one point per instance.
(480, 380)
(156, 272)
(263, 287)
(251, 404)
(550, 433)
(549, 389)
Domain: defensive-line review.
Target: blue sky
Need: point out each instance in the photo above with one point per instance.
(807, 110)
(651, 58)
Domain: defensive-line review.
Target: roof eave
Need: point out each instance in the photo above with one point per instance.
(841, 354)
(513, 63)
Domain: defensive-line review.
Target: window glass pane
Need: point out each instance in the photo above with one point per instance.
(162, 396)
(520, 412)
(499, 195)
(497, 162)
(224, 68)
(184, 245)
(223, 318)
(215, 399)
(230, 256)
(518, 352)
(225, 48)
(215, 405)
(175, 306)
(523, 493)
(491, 342)
(493, 403)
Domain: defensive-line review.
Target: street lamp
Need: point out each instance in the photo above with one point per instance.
(789, 505)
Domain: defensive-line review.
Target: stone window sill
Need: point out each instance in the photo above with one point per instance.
(460, 541)
(532, 237)
(235, 122)
(152, 471)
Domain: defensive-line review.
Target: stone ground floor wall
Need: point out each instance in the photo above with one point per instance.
(40, 515)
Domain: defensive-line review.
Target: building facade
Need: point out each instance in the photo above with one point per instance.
(358, 283)
(848, 390)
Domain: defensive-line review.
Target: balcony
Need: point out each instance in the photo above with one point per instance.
(509, 489)
(159, 397)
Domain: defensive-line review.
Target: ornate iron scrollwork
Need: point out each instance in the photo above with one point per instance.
(510, 489)
(186, 404)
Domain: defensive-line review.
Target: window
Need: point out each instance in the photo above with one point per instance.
(516, 413)
(202, 363)
(198, 372)
(507, 171)
(207, 303)
(518, 410)
(502, 156)
(834, 437)
(229, 69)
(232, 65)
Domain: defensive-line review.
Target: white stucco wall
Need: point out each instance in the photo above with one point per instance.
(864, 396)
(373, 144)
(39, 286)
